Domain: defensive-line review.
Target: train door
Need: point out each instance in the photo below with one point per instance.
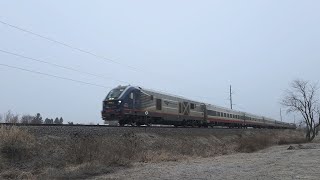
(134, 100)
(205, 113)
(180, 111)
(159, 104)
(184, 112)
(137, 100)
(244, 120)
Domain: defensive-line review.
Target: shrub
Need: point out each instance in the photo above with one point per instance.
(48, 121)
(83, 148)
(284, 141)
(37, 119)
(253, 143)
(117, 151)
(83, 171)
(15, 144)
(17, 174)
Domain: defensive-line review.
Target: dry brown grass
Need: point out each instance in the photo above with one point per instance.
(248, 143)
(82, 171)
(253, 143)
(285, 141)
(87, 156)
(116, 151)
(15, 144)
(82, 156)
(16, 147)
(22, 156)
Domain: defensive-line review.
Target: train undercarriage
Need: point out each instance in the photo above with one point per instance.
(133, 120)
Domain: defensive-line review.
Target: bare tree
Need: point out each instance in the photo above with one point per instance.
(26, 119)
(302, 98)
(9, 117)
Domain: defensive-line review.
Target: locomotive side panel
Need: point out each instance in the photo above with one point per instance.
(172, 108)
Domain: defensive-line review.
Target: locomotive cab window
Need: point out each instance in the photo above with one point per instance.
(192, 106)
(159, 104)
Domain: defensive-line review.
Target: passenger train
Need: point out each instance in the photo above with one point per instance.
(138, 106)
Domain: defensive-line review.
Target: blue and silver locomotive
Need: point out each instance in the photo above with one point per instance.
(139, 106)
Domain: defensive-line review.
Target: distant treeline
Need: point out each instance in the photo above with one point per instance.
(10, 117)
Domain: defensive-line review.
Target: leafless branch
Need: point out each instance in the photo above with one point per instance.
(302, 98)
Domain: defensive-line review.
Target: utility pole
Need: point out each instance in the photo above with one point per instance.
(281, 114)
(230, 96)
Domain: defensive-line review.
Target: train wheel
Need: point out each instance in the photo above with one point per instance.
(184, 123)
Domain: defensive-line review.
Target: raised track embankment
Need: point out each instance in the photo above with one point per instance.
(102, 130)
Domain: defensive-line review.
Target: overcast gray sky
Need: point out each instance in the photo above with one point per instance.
(186, 47)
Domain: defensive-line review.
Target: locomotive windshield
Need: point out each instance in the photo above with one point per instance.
(115, 93)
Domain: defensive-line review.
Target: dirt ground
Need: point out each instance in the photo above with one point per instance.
(277, 162)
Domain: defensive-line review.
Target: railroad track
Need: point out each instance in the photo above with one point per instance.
(114, 126)
(66, 130)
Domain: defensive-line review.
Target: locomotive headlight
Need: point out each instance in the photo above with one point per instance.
(119, 102)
